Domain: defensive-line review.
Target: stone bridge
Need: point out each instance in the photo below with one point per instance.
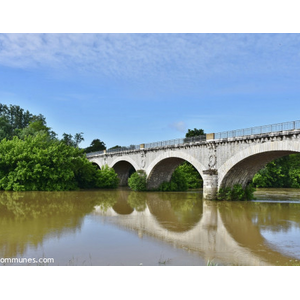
(222, 159)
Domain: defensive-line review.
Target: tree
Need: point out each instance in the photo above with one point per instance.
(70, 141)
(115, 147)
(35, 127)
(37, 163)
(178, 182)
(78, 138)
(96, 145)
(193, 178)
(107, 178)
(5, 128)
(138, 181)
(15, 119)
(194, 132)
(283, 172)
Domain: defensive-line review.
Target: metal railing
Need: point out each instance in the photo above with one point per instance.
(179, 141)
(94, 153)
(259, 130)
(202, 138)
(119, 149)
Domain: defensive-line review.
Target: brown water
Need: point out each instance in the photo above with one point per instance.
(126, 228)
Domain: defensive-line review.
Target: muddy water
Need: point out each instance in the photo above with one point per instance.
(126, 228)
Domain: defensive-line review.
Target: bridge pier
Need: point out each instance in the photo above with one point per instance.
(210, 184)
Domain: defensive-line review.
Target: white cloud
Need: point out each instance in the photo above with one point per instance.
(164, 58)
(179, 126)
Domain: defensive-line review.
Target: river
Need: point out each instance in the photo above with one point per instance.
(125, 228)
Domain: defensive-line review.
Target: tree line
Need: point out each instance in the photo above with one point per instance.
(33, 158)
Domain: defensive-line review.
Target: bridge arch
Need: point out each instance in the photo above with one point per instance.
(241, 167)
(95, 162)
(162, 168)
(124, 167)
(96, 165)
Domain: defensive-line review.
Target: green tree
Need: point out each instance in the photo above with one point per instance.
(194, 132)
(96, 145)
(38, 163)
(294, 170)
(283, 172)
(115, 147)
(178, 182)
(36, 127)
(5, 128)
(236, 193)
(69, 140)
(107, 178)
(193, 178)
(138, 181)
(16, 118)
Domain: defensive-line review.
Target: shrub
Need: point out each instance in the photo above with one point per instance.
(38, 163)
(236, 193)
(178, 182)
(107, 178)
(138, 181)
(193, 178)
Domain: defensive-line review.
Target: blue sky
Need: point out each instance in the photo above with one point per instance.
(137, 88)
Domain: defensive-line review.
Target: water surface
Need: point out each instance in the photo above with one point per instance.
(122, 227)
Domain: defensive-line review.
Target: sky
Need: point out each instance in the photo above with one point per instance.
(134, 88)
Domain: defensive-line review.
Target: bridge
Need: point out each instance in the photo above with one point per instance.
(222, 159)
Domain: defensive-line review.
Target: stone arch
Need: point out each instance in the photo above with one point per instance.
(162, 168)
(124, 167)
(95, 162)
(241, 167)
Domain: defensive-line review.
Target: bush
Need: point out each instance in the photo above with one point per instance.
(138, 181)
(237, 193)
(178, 182)
(107, 178)
(193, 178)
(37, 163)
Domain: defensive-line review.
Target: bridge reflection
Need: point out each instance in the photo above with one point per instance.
(223, 232)
(230, 233)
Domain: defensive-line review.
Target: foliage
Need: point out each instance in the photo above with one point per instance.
(184, 177)
(194, 132)
(178, 182)
(5, 128)
(38, 163)
(107, 178)
(96, 145)
(138, 181)
(13, 118)
(33, 159)
(193, 178)
(281, 173)
(115, 147)
(69, 140)
(35, 127)
(236, 193)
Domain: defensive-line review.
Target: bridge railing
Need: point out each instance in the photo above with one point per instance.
(94, 153)
(259, 130)
(176, 141)
(220, 135)
(119, 149)
(153, 145)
